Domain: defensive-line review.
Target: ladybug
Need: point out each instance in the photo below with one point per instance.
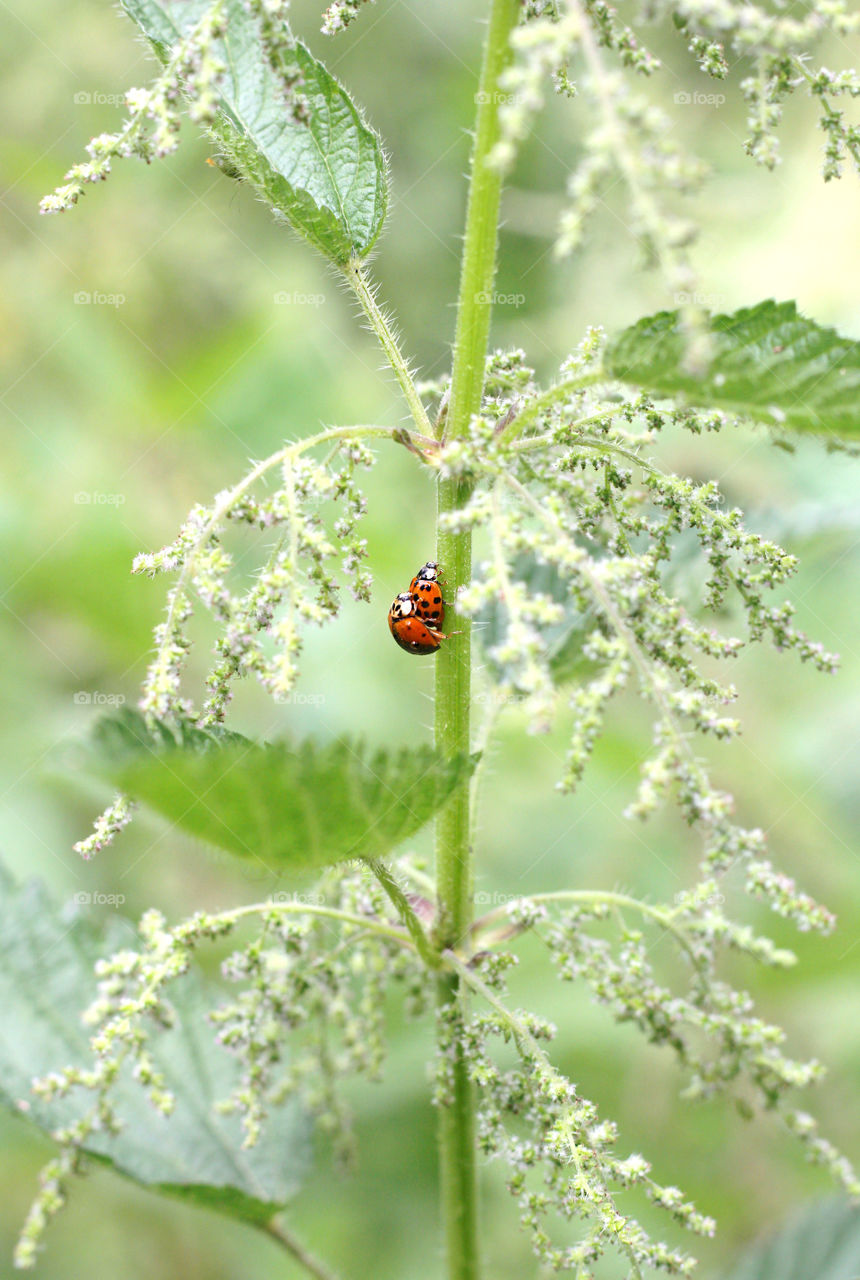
(409, 629)
(427, 595)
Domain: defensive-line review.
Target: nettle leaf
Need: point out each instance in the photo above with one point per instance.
(126, 734)
(46, 978)
(290, 807)
(823, 1241)
(327, 176)
(767, 363)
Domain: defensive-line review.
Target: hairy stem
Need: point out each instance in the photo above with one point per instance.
(457, 1154)
(297, 1251)
(403, 907)
(660, 916)
(380, 927)
(548, 399)
(355, 274)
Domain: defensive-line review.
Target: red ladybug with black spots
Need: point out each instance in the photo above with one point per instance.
(427, 595)
(408, 628)
(416, 617)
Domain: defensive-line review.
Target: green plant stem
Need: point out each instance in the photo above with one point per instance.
(356, 276)
(548, 399)
(457, 1151)
(297, 1250)
(602, 897)
(530, 1049)
(403, 907)
(331, 913)
(478, 271)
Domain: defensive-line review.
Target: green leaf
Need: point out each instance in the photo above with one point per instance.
(326, 176)
(46, 978)
(823, 1242)
(289, 807)
(767, 362)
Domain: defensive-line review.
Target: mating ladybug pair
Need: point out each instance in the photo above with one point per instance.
(416, 617)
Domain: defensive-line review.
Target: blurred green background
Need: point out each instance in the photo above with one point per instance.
(121, 412)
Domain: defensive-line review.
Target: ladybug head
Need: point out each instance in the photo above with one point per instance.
(402, 606)
(428, 572)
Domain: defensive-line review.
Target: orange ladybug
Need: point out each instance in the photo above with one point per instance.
(427, 595)
(410, 631)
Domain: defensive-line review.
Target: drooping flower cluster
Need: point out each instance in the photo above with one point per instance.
(578, 597)
(561, 1160)
(310, 1012)
(107, 827)
(563, 43)
(559, 1153)
(312, 1009)
(261, 624)
(191, 80)
(279, 49)
(340, 13)
(193, 71)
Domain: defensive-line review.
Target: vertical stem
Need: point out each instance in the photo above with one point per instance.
(478, 270)
(457, 1154)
